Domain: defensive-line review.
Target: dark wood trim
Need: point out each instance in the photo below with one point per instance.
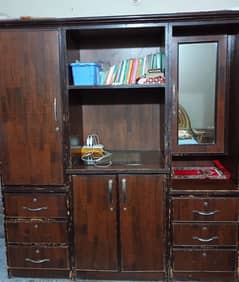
(204, 276)
(36, 273)
(34, 189)
(99, 275)
(210, 16)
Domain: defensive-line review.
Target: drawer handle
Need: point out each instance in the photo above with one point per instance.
(39, 261)
(205, 213)
(35, 209)
(204, 239)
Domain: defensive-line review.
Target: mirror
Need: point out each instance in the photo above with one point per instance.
(197, 76)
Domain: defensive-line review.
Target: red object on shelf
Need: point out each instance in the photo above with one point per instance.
(216, 172)
(187, 172)
(222, 168)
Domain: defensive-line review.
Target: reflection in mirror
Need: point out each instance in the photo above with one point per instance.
(197, 70)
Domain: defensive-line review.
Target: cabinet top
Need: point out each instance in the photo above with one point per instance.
(210, 17)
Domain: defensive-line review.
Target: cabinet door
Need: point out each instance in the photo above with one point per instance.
(30, 108)
(95, 222)
(141, 222)
(199, 89)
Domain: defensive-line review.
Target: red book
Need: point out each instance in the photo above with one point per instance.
(134, 71)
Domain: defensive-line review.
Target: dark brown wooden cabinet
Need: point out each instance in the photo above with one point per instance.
(119, 222)
(204, 233)
(31, 151)
(132, 217)
(37, 233)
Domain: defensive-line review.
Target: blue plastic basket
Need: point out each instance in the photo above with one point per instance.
(85, 73)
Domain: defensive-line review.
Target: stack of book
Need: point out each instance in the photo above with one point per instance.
(129, 71)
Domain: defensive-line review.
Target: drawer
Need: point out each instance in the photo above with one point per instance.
(206, 276)
(205, 209)
(204, 234)
(38, 257)
(35, 205)
(43, 232)
(203, 185)
(204, 260)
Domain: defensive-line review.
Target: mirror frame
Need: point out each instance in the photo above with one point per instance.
(220, 106)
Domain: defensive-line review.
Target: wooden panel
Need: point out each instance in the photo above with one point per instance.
(233, 125)
(124, 127)
(205, 209)
(122, 276)
(95, 222)
(30, 147)
(38, 257)
(39, 273)
(204, 234)
(204, 276)
(204, 260)
(205, 184)
(35, 205)
(141, 222)
(44, 232)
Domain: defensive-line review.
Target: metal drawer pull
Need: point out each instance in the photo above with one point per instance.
(35, 209)
(205, 213)
(124, 193)
(37, 261)
(110, 193)
(55, 108)
(205, 240)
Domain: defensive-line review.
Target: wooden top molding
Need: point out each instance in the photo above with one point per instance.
(212, 16)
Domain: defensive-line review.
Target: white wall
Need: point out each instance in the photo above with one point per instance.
(84, 8)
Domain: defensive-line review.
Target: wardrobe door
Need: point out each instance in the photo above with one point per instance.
(30, 108)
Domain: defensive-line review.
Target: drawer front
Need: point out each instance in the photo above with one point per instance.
(205, 209)
(36, 232)
(35, 205)
(203, 185)
(38, 257)
(206, 276)
(204, 260)
(204, 234)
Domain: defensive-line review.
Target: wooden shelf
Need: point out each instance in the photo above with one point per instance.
(146, 162)
(108, 87)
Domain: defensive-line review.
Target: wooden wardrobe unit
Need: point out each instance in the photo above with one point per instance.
(135, 219)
